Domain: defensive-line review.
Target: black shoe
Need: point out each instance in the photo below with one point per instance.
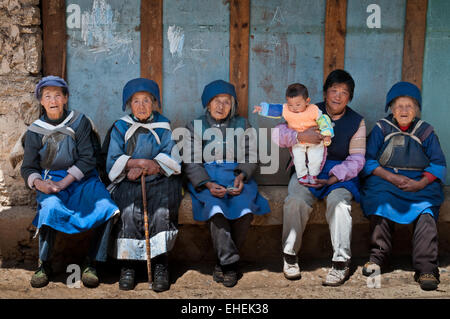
(230, 275)
(160, 277)
(427, 281)
(218, 273)
(126, 281)
(41, 276)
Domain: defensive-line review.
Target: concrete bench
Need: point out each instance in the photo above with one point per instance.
(193, 242)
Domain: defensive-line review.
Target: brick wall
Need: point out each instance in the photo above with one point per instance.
(20, 70)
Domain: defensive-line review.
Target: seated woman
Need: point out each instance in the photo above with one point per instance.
(221, 185)
(141, 143)
(404, 170)
(59, 162)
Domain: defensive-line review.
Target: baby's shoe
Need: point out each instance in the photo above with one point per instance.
(304, 179)
(312, 180)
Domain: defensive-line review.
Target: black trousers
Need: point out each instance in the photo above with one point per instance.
(424, 243)
(228, 236)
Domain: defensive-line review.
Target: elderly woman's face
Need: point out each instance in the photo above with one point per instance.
(404, 110)
(337, 97)
(141, 105)
(53, 101)
(220, 106)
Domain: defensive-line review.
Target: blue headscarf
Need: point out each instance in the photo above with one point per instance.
(50, 80)
(215, 88)
(139, 85)
(403, 89)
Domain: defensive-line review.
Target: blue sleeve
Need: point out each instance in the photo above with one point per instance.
(438, 166)
(271, 110)
(374, 144)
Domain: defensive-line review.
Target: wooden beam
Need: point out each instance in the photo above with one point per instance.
(414, 41)
(335, 31)
(54, 37)
(152, 41)
(239, 51)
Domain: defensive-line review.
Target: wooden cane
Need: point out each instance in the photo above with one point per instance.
(147, 236)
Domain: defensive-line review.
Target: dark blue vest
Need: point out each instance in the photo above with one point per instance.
(344, 129)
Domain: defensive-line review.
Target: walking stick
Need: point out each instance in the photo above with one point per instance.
(147, 236)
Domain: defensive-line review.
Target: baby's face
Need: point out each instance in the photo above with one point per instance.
(297, 104)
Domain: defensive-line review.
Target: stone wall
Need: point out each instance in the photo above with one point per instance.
(20, 70)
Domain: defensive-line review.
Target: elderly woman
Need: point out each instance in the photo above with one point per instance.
(404, 167)
(338, 180)
(60, 164)
(221, 185)
(141, 143)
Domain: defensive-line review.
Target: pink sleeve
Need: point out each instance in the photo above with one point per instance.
(349, 168)
(284, 136)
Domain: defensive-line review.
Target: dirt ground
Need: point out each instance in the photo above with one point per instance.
(194, 281)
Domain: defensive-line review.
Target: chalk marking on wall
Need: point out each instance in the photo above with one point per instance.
(175, 36)
(197, 46)
(277, 17)
(98, 32)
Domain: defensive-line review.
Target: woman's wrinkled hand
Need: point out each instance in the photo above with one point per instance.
(134, 173)
(412, 185)
(216, 189)
(398, 180)
(311, 135)
(324, 182)
(47, 186)
(149, 166)
(238, 185)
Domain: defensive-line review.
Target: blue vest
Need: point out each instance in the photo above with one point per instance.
(403, 150)
(59, 150)
(344, 129)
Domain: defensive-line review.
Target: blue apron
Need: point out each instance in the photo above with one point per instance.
(382, 198)
(233, 207)
(83, 205)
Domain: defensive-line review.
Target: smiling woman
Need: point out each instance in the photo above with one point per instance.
(404, 169)
(54, 99)
(59, 163)
(337, 182)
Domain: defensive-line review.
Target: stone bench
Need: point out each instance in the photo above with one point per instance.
(194, 243)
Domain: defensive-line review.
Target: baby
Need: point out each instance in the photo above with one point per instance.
(301, 115)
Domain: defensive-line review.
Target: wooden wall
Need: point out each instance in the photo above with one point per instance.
(238, 49)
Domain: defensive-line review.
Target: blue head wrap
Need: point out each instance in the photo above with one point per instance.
(403, 89)
(50, 80)
(215, 88)
(139, 85)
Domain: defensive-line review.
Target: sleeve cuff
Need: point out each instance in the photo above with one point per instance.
(431, 178)
(118, 168)
(75, 172)
(264, 109)
(169, 165)
(32, 178)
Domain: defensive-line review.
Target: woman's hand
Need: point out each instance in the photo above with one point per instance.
(47, 186)
(134, 173)
(412, 185)
(238, 185)
(311, 135)
(150, 167)
(404, 183)
(398, 180)
(323, 182)
(216, 189)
